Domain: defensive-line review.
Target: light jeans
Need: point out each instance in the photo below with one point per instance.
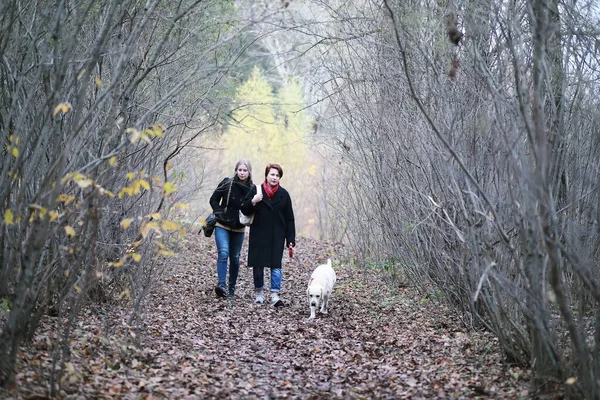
(229, 245)
(258, 274)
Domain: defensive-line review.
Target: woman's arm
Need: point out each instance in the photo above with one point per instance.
(290, 223)
(247, 204)
(218, 195)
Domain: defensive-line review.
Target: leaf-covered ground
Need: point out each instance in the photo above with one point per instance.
(375, 343)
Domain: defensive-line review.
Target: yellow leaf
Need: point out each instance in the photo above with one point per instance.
(8, 217)
(53, 215)
(158, 130)
(84, 183)
(130, 176)
(155, 216)
(136, 244)
(117, 264)
(62, 107)
(124, 191)
(170, 226)
(64, 198)
(135, 134)
(70, 231)
(36, 207)
(110, 194)
(41, 210)
(77, 288)
(169, 188)
(15, 152)
(182, 232)
(571, 380)
(144, 184)
(147, 226)
(136, 257)
(145, 137)
(155, 130)
(112, 161)
(183, 206)
(166, 253)
(98, 81)
(126, 222)
(156, 179)
(169, 166)
(135, 188)
(125, 293)
(78, 177)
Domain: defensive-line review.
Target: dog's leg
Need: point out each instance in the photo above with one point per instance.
(324, 304)
(312, 312)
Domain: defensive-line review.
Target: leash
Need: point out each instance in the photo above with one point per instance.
(295, 256)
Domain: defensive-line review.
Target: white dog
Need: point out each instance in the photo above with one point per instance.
(320, 287)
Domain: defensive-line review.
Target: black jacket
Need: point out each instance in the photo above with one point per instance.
(218, 201)
(272, 230)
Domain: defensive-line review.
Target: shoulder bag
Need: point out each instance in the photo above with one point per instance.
(247, 220)
(211, 220)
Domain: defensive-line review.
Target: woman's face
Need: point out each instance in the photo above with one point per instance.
(273, 177)
(242, 172)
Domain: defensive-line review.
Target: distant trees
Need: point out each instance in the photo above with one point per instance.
(268, 126)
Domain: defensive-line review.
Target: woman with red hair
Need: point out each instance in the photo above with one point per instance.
(271, 232)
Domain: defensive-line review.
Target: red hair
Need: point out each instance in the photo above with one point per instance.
(274, 166)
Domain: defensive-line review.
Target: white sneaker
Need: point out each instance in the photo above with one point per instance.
(274, 298)
(260, 298)
(276, 301)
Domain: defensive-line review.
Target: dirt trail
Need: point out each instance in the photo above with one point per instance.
(373, 344)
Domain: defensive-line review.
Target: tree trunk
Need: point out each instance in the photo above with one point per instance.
(16, 326)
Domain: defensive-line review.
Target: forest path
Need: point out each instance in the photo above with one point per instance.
(373, 344)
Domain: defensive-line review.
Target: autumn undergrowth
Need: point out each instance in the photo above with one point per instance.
(378, 341)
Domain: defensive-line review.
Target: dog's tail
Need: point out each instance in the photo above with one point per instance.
(329, 263)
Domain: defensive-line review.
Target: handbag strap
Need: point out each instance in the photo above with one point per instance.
(228, 194)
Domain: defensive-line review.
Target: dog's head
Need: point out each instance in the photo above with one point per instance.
(315, 294)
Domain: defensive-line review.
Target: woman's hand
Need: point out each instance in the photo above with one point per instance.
(257, 198)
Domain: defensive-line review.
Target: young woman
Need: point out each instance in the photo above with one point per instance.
(229, 233)
(272, 230)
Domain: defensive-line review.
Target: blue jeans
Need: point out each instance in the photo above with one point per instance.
(229, 245)
(258, 274)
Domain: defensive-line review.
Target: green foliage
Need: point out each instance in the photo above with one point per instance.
(5, 305)
(269, 127)
(253, 133)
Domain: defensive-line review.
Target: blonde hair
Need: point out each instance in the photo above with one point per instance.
(248, 165)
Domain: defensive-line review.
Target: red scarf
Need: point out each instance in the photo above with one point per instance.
(270, 192)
